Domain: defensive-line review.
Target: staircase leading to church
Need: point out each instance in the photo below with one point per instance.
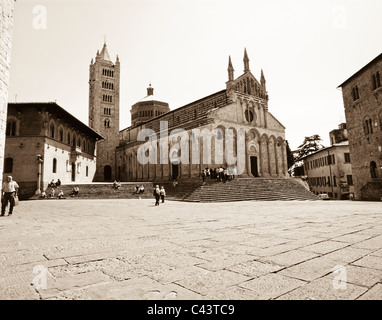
(262, 189)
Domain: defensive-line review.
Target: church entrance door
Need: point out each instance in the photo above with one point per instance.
(175, 171)
(254, 168)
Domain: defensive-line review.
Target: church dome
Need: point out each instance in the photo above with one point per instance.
(148, 108)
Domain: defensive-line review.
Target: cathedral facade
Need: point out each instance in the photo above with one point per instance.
(238, 114)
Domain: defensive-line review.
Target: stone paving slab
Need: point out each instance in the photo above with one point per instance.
(369, 262)
(375, 293)
(347, 254)
(208, 282)
(323, 289)
(271, 286)
(255, 268)
(241, 250)
(311, 269)
(325, 246)
(290, 257)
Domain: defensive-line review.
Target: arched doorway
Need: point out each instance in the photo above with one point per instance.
(254, 167)
(73, 171)
(107, 173)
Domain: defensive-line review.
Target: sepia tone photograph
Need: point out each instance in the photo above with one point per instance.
(207, 152)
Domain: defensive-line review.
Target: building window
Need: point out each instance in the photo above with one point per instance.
(51, 130)
(370, 126)
(74, 141)
(11, 128)
(8, 165)
(355, 93)
(373, 170)
(68, 138)
(349, 179)
(107, 123)
(54, 165)
(61, 135)
(376, 81)
(87, 171)
(248, 115)
(347, 157)
(334, 181)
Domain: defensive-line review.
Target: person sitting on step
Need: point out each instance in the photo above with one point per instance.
(75, 191)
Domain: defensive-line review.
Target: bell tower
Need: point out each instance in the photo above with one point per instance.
(104, 84)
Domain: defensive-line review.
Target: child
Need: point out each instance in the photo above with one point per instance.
(162, 193)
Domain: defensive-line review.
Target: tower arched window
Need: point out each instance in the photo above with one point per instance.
(371, 125)
(373, 170)
(366, 127)
(11, 128)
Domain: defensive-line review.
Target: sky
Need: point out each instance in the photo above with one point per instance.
(306, 49)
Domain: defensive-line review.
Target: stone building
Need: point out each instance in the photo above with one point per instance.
(362, 97)
(239, 110)
(104, 82)
(329, 170)
(6, 27)
(45, 142)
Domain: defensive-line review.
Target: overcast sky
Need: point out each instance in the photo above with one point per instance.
(306, 49)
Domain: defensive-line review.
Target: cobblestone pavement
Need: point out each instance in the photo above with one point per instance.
(130, 249)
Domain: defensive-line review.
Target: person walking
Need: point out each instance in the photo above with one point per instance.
(162, 193)
(9, 192)
(157, 195)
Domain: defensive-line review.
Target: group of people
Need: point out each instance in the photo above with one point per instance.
(221, 173)
(54, 186)
(60, 193)
(139, 189)
(159, 194)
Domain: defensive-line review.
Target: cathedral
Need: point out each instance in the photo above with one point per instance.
(239, 112)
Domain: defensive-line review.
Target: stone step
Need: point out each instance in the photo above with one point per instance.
(264, 189)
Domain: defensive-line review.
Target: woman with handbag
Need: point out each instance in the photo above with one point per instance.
(9, 193)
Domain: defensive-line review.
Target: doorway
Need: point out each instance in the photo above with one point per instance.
(175, 171)
(254, 167)
(107, 173)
